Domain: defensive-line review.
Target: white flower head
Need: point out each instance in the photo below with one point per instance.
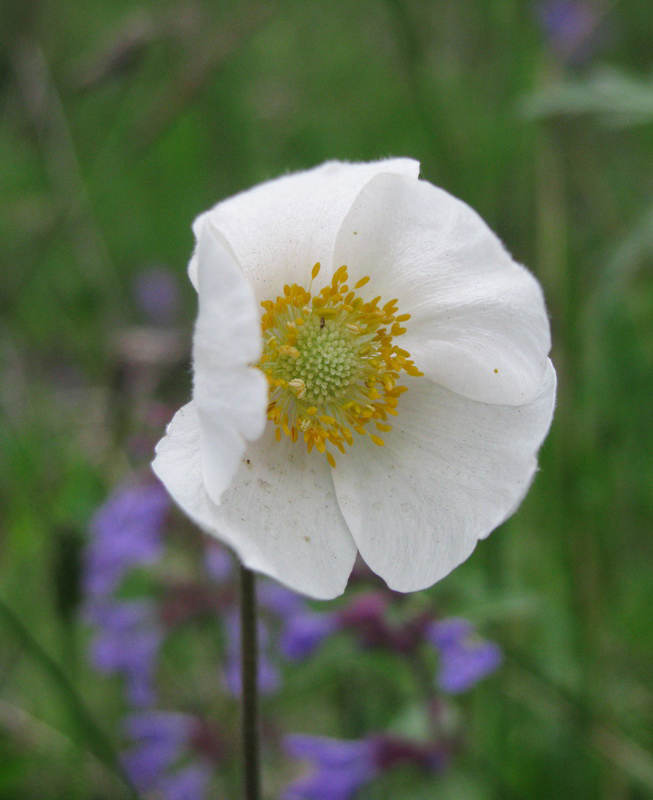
(370, 374)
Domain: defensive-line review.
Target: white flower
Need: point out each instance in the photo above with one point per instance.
(438, 401)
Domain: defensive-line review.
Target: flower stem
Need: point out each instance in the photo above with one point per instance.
(249, 669)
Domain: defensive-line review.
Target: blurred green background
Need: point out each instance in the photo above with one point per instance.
(122, 121)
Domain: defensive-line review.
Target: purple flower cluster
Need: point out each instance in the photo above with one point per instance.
(127, 643)
(156, 292)
(220, 568)
(268, 675)
(465, 659)
(160, 740)
(126, 534)
(340, 768)
(571, 27)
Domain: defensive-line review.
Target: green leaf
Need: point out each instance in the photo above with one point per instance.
(90, 735)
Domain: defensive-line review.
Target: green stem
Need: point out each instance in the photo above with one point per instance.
(249, 663)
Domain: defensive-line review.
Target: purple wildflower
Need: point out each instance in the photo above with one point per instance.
(127, 643)
(126, 533)
(570, 26)
(156, 292)
(189, 783)
(279, 600)
(159, 738)
(464, 659)
(305, 631)
(268, 676)
(218, 562)
(341, 767)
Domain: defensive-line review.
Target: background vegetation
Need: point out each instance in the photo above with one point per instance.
(122, 121)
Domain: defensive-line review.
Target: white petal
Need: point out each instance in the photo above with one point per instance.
(280, 229)
(479, 325)
(451, 471)
(229, 317)
(230, 396)
(280, 513)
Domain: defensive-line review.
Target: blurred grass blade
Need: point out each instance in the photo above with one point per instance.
(90, 736)
(619, 100)
(602, 732)
(631, 253)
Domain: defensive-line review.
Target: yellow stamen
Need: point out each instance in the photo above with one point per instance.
(298, 386)
(288, 350)
(334, 369)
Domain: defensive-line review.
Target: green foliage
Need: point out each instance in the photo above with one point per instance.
(121, 122)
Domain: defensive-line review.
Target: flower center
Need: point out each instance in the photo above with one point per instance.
(332, 364)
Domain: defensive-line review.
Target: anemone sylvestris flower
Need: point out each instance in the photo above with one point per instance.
(370, 373)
